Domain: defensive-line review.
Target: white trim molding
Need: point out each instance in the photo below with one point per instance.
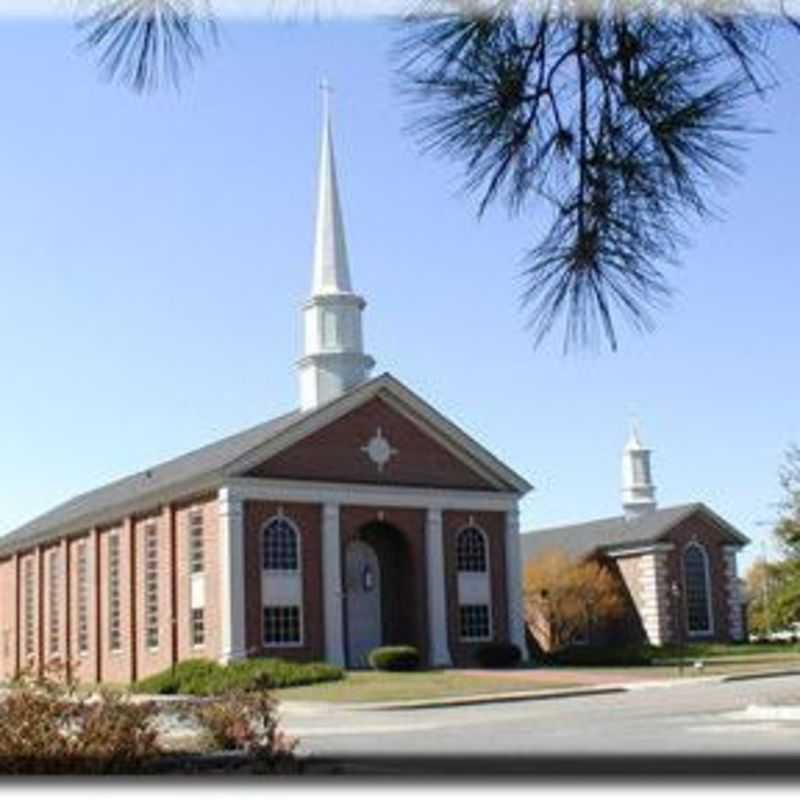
(332, 585)
(437, 589)
(232, 586)
(288, 491)
(516, 616)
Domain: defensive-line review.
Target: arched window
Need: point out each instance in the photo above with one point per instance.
(474, 591)
(698, 591)
(280, 546)
(471, 551)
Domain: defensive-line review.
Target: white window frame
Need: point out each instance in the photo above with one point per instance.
(54, 577)
(282, 587)
(481, 584)
(301, 628)
(709, 631)
(82, 597)
(114, 537)
(151, 532)
(29, 605)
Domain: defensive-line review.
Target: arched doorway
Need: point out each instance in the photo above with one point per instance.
(381, 587)
(364, 613)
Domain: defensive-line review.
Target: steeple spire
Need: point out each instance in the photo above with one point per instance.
(333, 359)
(638, 491)
(331, 267)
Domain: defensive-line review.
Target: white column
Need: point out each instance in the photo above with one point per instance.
(232, 588)
(516, 619)
(332, 585)
(437, 598)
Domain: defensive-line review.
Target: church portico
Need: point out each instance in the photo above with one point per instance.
(375, 565)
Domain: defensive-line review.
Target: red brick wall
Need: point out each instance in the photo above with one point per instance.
(308, 519)
(411, 612)
(151, 660)
(117, 665)
(84, 665)
(493, 525)
(8, 618)
(334, 454)
(212, 648)
(703, 530)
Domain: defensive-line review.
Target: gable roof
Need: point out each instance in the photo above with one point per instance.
(614, 533)
(209, 466)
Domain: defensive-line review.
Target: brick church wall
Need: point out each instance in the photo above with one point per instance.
(212, 647)
(702, 530)
(308, 519)
(8, 618)
(493, 525)
(334, 454)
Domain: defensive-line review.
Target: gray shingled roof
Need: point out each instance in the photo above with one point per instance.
(613, 532)
(205, 461)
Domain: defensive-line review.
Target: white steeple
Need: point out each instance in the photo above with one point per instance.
(333, 352)
(638, 491)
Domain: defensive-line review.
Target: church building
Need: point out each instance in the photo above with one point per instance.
(675, 566)
(364, 517)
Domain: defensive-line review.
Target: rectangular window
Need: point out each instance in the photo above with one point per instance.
(198, 627)
(197, 560)
(30, 609)
(83, 600)
(114, 605)
(54, 587)
(474, 622)
(281, 625)
(151, 586)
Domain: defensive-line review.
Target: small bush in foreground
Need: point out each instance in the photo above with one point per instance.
(246, 721)
(203, 678)
(498, 654)
(48, 726)
(395, 658)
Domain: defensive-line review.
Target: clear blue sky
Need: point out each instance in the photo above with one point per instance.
(154, 253)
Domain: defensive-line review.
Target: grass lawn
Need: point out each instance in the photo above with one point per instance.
(373, 687)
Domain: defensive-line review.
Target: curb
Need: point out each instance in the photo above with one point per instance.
(483, 699)
(752, 676)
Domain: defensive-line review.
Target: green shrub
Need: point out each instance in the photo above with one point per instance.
(626, 656)
(498, 654)
(203, 678)
(395, 658)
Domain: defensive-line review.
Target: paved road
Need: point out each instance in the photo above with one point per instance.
(674, 724)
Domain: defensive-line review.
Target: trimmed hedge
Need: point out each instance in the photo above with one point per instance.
(202, 678)
(496, 655)
(395, 658)
(627, 656)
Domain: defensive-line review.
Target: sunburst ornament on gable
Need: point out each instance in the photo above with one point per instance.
(379, 450)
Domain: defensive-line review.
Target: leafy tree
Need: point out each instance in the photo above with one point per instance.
(620, 120)
(788, 528)
(566, 598)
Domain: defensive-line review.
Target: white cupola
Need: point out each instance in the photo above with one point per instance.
(333, 350)
(638, 491)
